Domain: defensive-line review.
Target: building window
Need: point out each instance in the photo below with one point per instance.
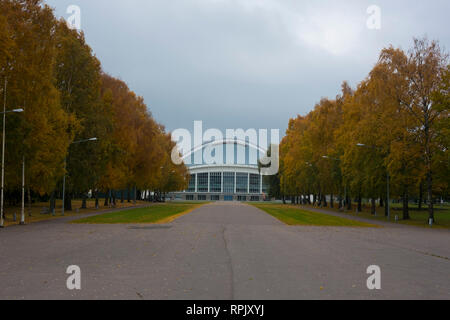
(242, 183)
(191, 187)
(215, 198)
(228, 182)
(254, 198)
(265, 187)
(190, 197)
(202, 185)
(242, 198)
(215, 182)
(201, 198)
(255, 183)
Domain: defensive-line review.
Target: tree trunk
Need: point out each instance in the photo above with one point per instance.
(113, 198)
(52, 203)
(96, 200)
(128, 195)
(386, 208)
(381, 202)
(134, 195)
(405, 204)
(106, 198)
(122, 196)
(325, 204)
(138, 194)
(374, 207)
(428, 161)
(29, 202)
(84, 201)
(430, 197)
(420, 196)
(68, 202)
(349, 203)
(359, 203)
(332, 201)
(110, 198)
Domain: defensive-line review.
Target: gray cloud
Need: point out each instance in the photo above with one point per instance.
(246, 63)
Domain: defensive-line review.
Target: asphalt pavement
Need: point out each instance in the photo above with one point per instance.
(222, 251)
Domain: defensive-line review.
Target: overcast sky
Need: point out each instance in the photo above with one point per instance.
(246, 63)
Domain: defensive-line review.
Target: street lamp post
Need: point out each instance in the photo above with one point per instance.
(65, 167)
(64, 187)
(22, 212)
(3, 151)
(388, 178)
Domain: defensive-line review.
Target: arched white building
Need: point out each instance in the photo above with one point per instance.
(225, 182)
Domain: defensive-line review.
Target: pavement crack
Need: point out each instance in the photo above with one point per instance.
(230, 262)
(431, 254)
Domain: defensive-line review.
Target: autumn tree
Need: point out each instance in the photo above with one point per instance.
(415, 77)
(38, 136)
(392, 128)
(78, 75)
(140, 147)
(171, 177)
(50, 71)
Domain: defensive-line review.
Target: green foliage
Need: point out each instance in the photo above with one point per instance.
(396, 122)
(54, 76)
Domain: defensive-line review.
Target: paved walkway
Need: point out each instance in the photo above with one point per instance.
(222, 251)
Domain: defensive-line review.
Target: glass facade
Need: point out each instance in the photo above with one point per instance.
(255, 183)
(241, 182)
(203, 180)
(215, 182)
(265, 187)
(191, 187)
(228, 182)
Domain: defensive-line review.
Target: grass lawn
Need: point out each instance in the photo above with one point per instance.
(417, 218)
(295, 216)
(158, 213)
(37, 215)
